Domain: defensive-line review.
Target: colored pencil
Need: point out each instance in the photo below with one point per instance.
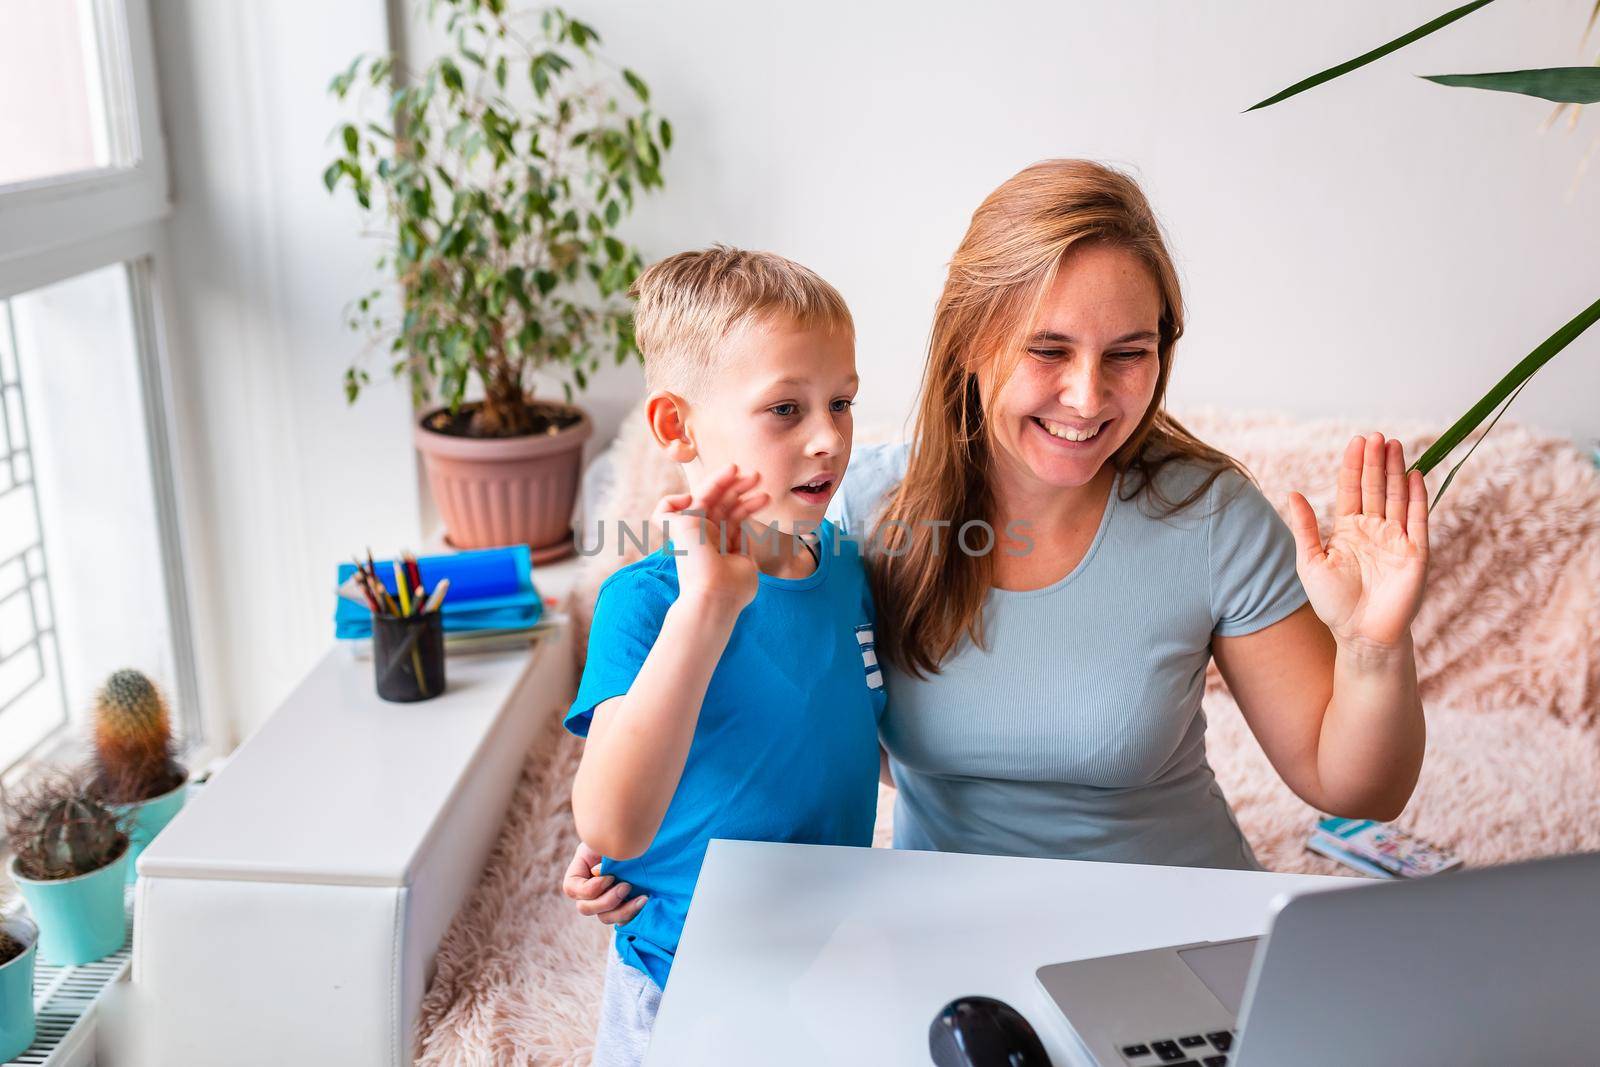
(400, 584)
(438, 595)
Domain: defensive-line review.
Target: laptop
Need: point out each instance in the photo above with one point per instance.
(1493, 966)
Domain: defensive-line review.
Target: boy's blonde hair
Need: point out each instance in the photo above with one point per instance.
(688, 303)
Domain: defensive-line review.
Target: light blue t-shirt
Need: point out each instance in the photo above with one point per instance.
(786, 745)
(1079, 733)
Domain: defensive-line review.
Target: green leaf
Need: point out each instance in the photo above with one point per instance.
(613, 212)
(1564, 85)
(637, 84)
(1513, 380)
(1448, 478)
(666, 134)
(352, 139)
(500, 72)
(450, 74)
(330, 177)
(1377, 53)
(341, 81)
(582, 34)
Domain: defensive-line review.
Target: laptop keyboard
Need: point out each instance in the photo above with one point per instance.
(1203, 1050)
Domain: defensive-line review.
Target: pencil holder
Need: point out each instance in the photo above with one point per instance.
(408, 656)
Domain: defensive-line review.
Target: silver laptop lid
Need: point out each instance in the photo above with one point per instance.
(1498, 965)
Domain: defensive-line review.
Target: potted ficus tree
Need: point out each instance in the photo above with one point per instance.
(498, 177)
(69, 854)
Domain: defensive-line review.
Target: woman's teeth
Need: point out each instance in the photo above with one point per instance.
(1067, 433)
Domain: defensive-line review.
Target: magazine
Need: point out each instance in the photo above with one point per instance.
(1380, 849)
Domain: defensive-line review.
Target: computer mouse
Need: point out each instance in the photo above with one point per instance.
(984, 1032)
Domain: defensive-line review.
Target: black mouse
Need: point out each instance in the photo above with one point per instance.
(984, 1032)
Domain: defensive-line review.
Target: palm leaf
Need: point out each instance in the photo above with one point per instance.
(1564, 85)
(1377, 53)
(1503, 389)
(1448, 478)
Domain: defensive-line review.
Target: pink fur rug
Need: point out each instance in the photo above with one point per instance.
(1510, 676)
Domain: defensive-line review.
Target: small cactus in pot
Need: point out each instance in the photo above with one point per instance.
(18, 937)
(132, 736)
(134, 768)
(70, 851)
(59, 829)
(10, 947)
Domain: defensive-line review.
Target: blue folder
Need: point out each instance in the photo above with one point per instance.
(490, 589)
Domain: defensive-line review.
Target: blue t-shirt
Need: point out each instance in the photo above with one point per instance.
(786, 745)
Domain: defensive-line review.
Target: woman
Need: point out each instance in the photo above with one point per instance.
(1045, 695)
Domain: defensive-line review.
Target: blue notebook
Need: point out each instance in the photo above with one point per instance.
(490, 589)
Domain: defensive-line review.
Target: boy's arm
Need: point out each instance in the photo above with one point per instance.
(638, 742)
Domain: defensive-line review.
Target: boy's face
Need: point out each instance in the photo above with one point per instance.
(779, 407)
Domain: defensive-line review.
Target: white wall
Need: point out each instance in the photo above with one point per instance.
(280, 479)
(1380, 247)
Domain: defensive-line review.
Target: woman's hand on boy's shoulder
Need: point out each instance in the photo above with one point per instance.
(595, 894)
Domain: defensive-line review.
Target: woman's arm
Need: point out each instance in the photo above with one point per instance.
(1331, 691)
(1343, 728)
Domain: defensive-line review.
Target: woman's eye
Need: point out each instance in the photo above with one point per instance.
(1130, 356)
(783, 411)
(842, 404)
(1047, 353)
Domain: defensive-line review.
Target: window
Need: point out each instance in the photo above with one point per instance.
(91, 575)
(53, 45)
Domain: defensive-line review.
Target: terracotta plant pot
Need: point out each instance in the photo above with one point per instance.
(506, 490)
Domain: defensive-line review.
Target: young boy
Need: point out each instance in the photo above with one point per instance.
(730, 688)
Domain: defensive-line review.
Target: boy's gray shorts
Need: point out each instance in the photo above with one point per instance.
(627, 1014)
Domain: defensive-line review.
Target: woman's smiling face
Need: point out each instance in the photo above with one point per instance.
(1088, 374)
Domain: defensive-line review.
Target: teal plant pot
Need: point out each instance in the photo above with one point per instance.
(145, 819)
(16, 990)
(80, 919)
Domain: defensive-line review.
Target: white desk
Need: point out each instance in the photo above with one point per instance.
(290, 913)
(803, 954)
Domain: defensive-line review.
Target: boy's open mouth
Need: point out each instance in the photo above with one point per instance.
(814, 492)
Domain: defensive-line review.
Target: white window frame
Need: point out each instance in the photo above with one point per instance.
(58, 227)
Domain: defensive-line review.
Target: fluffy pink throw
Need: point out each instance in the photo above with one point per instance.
(1510, 674)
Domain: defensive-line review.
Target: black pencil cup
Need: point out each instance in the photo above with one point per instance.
(408, 656)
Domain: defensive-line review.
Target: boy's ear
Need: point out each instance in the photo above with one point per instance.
(668, 415)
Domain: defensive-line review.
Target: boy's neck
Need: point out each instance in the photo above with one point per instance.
(779, 551)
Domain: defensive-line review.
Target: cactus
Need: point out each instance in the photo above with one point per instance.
(10, 947)
(59, 829)
(132, 737)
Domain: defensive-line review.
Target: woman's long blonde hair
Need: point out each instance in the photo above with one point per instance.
(929, 595)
